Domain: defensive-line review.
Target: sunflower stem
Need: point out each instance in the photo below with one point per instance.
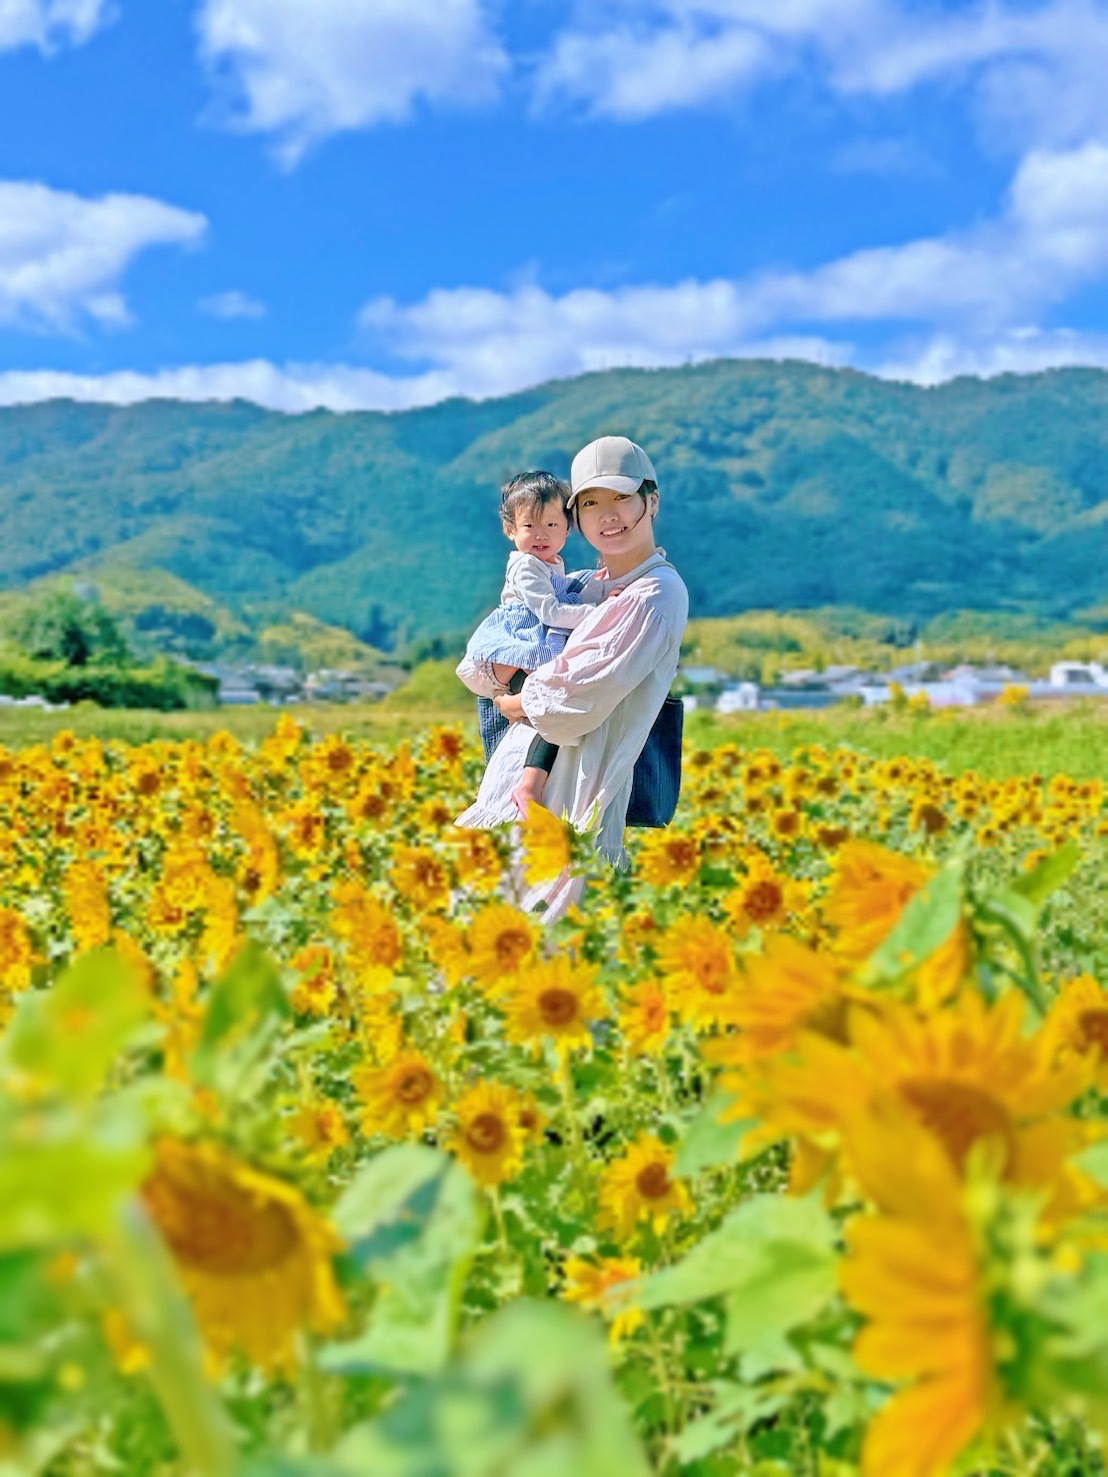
(498, 1216)
(143, 1281)
(578, 1154)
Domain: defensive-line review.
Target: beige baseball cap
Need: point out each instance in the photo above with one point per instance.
(613, 462)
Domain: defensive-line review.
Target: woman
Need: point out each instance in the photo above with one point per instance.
(598, 699)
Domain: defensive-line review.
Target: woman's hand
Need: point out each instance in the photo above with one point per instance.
(510, 704)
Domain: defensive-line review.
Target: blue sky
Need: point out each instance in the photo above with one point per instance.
(376, 203)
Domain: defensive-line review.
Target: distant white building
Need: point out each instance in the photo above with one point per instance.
(740, 697)
(1078, 675)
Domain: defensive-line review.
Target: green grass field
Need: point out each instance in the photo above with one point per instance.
(994, 742)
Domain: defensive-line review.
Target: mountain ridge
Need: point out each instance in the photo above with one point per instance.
(785, 486)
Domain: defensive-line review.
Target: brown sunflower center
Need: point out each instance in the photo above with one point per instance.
(486, 1133)
(652, 1182)
(218, 1227)
(414, 1084)
(557, 1007)
(931, 819)
(512, 946)
(763, 900)
(681, 853)
(1093, 1025)
(959, 1115)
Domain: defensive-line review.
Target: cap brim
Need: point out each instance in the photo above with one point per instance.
(613, 484)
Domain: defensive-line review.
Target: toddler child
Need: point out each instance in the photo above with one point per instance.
(538, 606)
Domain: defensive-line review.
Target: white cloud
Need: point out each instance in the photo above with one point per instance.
(1050, 238)
(232, 304)
(62, 256)
(288, 387)
(1022, 351)
(49, 24)
(1036, 70)
(305, 71)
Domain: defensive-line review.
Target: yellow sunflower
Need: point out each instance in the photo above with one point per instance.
(669, 859)
(644, 1018)
(913, 1273)
(965, 1074)
(420, 878)
(401, 1098)
(1078, 1024)
(545, 840)
(870, 889)
(319, 1128)
(502, 940)
(696, 961)
(639, 1186)
(787, 990)
(554, 1001)
(764, 898)
(16, 952)
(589, 1280)
(490, 1138)
(253, 1257)
(85, 893)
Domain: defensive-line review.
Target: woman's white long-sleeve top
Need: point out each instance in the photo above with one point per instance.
(597, 701)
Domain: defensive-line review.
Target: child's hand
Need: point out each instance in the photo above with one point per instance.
(614, 591)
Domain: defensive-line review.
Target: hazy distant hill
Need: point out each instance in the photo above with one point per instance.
(784, 485)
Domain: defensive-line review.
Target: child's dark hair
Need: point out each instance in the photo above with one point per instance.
(531, 492)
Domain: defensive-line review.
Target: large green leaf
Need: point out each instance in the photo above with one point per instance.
(768, 1235)
(708, 1143)
(71, 1034)
(533, 1397)
(1050, 874)
(435, 1207)
(63, 1175)
(246, 1009)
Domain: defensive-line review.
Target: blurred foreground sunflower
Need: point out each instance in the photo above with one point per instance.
(252, 1255)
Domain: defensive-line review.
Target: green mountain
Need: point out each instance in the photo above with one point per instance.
(785, 486)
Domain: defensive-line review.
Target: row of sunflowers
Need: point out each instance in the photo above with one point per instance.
(784, 1153)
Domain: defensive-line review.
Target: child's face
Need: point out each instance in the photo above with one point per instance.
(540, 531)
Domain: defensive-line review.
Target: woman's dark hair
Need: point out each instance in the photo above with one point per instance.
(644, 489)
(531, 492)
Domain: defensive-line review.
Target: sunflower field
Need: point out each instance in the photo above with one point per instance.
(785, 1153)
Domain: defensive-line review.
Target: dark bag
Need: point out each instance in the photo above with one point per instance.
(657, 781)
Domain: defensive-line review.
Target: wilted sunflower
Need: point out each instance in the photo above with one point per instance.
(401, 1099)
(554, 1000)
(490, 1138)
(639, 1187)
(253, 1257)
(590, 1280)
(696, 961)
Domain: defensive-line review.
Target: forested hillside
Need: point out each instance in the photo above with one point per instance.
(784, 486)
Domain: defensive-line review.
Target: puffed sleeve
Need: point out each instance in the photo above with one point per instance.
(577, 691)
(531, 579)
(479, 677)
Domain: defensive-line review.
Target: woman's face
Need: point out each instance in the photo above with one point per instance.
(619, 524)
